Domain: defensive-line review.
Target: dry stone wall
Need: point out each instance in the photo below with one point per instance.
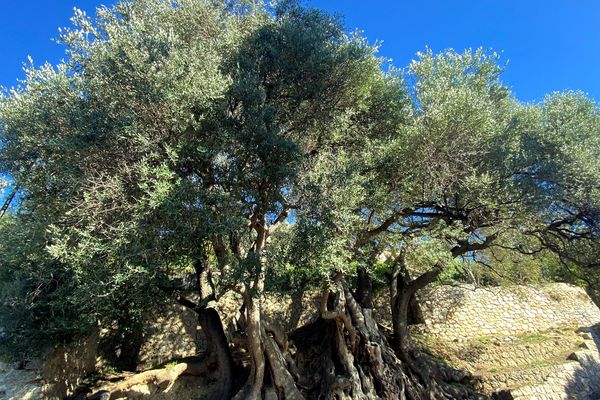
(525, 343)
(65, 366)
(174, 334)
(577, 378)
(459, 312)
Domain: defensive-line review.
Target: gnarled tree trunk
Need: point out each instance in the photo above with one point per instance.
(218, 349)
(273, 373)
(271, 369)
(341, 355)
(217, 359)
(344, 355)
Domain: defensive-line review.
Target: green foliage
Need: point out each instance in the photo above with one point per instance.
(178, 132)
(170, 127)
(38, 299)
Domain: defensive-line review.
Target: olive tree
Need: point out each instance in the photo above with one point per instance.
(231, 140)
(446, 175)
(173, 136)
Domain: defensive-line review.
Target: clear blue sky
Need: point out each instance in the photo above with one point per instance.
(550, 45)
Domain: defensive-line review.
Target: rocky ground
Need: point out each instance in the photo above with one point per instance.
(19, 383)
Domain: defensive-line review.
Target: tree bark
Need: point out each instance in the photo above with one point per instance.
(253, 387)
(404, 305)
(343, 355)
(162, 378)
(217, 345)
(364, 288)
(218, 348)
(296, 308)
(273, 373)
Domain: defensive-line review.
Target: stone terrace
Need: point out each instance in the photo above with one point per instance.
(526, 343)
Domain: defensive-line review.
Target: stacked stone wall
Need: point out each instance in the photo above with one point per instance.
(525, 343)
(459, 312)
(173, 334)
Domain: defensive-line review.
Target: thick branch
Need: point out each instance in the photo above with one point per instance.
(424, 279)
(186, 302)
(464, 246)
